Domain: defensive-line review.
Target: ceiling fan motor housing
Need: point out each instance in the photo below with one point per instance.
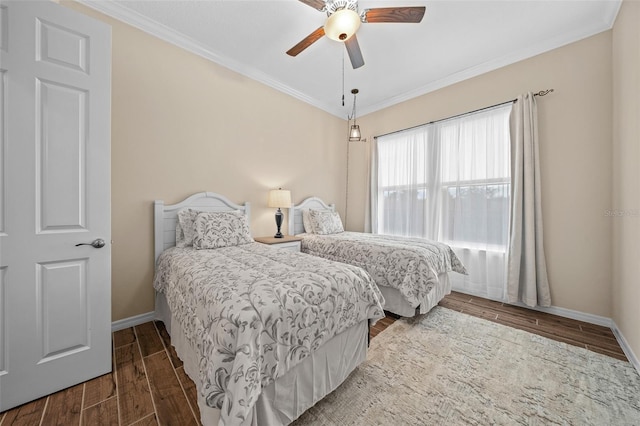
(335, 5)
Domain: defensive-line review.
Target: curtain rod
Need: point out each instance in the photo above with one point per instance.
(540, 93)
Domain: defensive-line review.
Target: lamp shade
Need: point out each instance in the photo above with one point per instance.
(342, 24)
(279, 198)
(354, 133)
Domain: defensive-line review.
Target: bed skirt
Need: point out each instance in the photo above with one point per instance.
(285, 399)
(396, 303)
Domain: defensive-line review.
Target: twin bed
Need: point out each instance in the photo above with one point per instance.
(267, 333)
(263, 333)
(411, 273)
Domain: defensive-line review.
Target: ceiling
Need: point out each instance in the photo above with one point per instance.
(456, 40)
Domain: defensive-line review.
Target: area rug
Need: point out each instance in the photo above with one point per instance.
(449, 368)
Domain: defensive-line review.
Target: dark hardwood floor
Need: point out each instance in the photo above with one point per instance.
(148, 385)
(577, 333)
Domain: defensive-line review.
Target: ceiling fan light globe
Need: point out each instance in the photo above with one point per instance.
(342, 24)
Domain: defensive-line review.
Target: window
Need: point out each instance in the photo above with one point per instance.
(476, 176)
(449, 181)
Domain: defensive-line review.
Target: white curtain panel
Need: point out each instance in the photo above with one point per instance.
(527, 280)
(449, 181)
(371, 215)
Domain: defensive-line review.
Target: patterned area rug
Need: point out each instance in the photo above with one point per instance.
(449, 368)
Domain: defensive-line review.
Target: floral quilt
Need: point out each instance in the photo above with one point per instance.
(411, 265)
(252, 312)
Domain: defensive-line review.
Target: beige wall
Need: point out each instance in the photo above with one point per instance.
(182, 124)
(626, 173)
(575, 150)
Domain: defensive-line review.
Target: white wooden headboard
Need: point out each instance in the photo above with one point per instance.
(166, 217)
(295, 213)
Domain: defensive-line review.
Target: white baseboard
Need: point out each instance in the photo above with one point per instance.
(554, 310)
(633, 359)
(584, 317)
(576, 315)
(597, 320)
(132, 321)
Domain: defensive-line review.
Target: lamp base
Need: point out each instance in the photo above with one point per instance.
(278, 223)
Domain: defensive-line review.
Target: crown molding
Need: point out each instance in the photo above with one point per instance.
(169, 35)
(611, 14)
(516, 56)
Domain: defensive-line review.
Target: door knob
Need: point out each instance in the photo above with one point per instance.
(97, 243)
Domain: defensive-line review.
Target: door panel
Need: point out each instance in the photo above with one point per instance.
(3, 321)
(4, 28)
(62, 46)
(3, 90)
(55, 296)
(64, 326)
(60, 157)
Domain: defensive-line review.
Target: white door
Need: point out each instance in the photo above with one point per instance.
(55, 113)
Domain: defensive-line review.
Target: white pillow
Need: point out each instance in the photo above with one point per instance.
(306, 222)
(184, 227)
(221, 229)
(325, 222)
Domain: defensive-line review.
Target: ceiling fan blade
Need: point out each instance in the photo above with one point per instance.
(355, 54)
(306, 42)
(316, 4)
(394, 14)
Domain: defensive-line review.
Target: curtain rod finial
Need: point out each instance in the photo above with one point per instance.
(543, 92)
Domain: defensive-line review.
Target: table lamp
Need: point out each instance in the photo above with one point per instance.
(279, 198)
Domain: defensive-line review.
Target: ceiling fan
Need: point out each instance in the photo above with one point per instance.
(343, 21)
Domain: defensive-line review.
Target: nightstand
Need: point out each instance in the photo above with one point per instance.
(287, 242)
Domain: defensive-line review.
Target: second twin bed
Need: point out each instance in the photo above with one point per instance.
(412, 273)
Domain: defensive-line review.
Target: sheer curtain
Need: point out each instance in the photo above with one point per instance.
(449, 181)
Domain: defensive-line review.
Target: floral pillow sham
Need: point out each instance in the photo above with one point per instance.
(306, 222)
(324, 222)
(221, 229)
(184, 228)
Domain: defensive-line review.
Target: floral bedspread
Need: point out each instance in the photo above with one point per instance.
(252, 312)
(411, 265)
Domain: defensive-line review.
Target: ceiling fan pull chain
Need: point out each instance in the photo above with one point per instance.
(343, 77)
